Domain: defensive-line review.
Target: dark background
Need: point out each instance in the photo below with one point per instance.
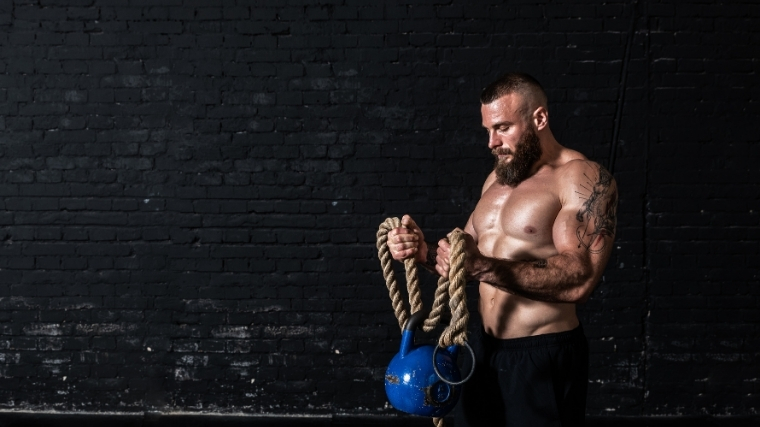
(190, 190)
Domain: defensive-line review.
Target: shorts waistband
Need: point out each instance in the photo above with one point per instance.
(535, 341)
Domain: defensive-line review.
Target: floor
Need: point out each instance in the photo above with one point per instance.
(37, 419)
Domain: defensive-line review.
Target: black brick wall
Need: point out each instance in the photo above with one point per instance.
(189, 192)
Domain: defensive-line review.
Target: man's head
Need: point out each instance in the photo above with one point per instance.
(528, 89)
(514, 112)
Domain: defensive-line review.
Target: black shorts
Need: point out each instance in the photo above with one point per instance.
(532, 381)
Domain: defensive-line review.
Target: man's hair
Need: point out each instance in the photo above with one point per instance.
(527, 86)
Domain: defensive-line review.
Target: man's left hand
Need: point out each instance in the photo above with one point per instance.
(443, 255)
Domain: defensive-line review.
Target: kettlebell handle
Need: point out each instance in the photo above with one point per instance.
(416, 320)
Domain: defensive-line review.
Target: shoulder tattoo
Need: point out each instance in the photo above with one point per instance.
(598, 216)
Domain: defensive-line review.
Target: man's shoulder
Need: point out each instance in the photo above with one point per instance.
(489, 182)
(580, 167)
(582, 176)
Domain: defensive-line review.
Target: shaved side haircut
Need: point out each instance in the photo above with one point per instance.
(529, 88)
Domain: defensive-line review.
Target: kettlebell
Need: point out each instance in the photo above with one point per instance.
(411, 381)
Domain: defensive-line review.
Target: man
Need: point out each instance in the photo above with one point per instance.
(537, 242)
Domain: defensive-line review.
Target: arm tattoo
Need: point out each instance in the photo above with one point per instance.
(598, 214)
(539, 263)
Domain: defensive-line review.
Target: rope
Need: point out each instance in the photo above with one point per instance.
(450, 288)
(456, 332)
(385, 263)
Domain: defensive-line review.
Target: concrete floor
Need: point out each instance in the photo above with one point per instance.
(45, 419)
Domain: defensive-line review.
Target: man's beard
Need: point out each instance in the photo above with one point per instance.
(526, 154)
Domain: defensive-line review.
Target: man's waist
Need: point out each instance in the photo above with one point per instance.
(511, 316)
(575, 334)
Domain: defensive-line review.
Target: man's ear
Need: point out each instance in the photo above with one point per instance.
(541, 118)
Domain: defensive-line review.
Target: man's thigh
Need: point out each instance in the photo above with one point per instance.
(534, 384)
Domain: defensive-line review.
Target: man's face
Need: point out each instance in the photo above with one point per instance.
(514, 169)
(512, 139)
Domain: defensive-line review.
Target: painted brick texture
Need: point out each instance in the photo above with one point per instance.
(190, 190)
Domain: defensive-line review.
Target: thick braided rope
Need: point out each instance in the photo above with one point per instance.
(456, 332)
(412, 281)
(413, 285)
(386, 264)
(452, 288)
(441, 296)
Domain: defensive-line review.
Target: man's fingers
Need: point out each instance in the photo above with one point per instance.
(402, 231)
(442, 260)
(401, 240)
(394, 234)
(443, 271)
(405, 252)
(443, 249)
(401, 246)
(408, 222)
(444, 244)
(406, 237)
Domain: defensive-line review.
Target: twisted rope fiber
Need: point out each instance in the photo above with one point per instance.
(440, 298)
(385, 263)
(456, 332)
(412, 281)
(451, 288)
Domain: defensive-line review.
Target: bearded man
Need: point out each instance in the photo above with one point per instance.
(537, 241)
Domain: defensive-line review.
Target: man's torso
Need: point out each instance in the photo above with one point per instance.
(517, 224)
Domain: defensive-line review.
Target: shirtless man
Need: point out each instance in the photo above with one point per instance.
(537, 241)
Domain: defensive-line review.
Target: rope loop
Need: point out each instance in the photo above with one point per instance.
(451, 289)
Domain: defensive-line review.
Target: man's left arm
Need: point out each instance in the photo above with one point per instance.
(583, 234)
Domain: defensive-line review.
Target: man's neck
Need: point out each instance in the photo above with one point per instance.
(551, 151)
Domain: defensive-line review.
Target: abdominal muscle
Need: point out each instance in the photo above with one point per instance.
(508, 315)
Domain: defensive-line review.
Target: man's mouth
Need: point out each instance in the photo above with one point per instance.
(501, 155)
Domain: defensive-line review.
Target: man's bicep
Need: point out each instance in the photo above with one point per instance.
(585, 264)
(566, 231)
(590, 208)
(585, 227)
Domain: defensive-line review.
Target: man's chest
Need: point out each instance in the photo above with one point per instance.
(509, 220)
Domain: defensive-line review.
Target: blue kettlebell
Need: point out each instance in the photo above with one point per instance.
(423, 379)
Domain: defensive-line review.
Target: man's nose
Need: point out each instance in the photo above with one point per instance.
(493, 140)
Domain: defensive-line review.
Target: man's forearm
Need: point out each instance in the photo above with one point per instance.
(556, 279)
(429, 261)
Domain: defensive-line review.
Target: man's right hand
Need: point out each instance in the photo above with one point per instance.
(407, 241)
